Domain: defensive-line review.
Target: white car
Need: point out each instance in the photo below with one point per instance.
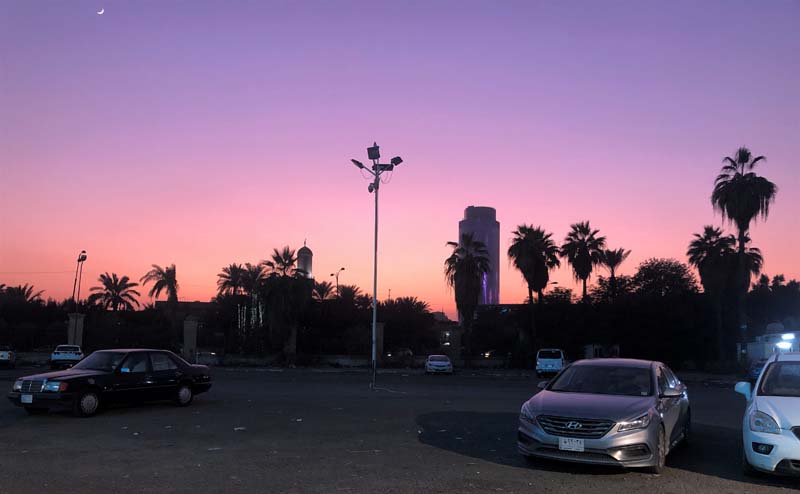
(438, 364)
(771, 426)
(65, 356)
(549, 361)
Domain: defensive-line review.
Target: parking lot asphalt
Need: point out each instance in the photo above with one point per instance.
(299, 431)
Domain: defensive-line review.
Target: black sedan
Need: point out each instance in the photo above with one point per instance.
(112, 376)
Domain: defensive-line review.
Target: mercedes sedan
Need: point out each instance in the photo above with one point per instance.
(628, 413)
(112, 376)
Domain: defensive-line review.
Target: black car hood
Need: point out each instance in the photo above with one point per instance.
(580, 405)
(65, 374)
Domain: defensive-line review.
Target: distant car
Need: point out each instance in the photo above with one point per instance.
(628, 413)
(112, 376)
(400, 357)
(438, 364)
(489, 354)
(65, 356)
(8, 357)
(549, 361)
(754, 372)
(771, 424)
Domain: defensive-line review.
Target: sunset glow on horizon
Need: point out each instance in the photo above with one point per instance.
(159, 133)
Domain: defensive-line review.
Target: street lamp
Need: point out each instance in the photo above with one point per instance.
(376, 170)
(76, 283)
(336, 274)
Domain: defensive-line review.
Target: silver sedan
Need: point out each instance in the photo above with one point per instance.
(623, 412)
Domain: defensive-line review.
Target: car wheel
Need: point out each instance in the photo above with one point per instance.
(35, 411)
(87, 404)
(184, 395)
(661, 453)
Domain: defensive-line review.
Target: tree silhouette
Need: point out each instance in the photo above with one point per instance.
(114, 293)
(583, 250)
(230, 280)
(612, 259)
(164, 280)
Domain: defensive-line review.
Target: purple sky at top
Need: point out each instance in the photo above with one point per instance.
(204, 133)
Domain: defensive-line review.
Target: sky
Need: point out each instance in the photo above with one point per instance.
(207, 132)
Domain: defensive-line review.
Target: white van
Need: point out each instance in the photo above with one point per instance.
(549, 361)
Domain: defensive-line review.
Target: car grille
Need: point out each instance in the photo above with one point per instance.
(32, 386)
(573, 427)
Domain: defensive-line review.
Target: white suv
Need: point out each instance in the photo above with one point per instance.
(771, 426)
(65, 356)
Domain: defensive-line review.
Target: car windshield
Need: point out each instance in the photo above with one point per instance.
(438, 358)
(604, 380)
(66, 348)
(781, 379)
(549, 354)
(101, 361)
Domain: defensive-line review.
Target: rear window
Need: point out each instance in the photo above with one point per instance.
(549, 354)
(68, 348)
(438, 358)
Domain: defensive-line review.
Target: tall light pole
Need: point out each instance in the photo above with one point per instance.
(78, 268)
(336, 274)
(376, 170)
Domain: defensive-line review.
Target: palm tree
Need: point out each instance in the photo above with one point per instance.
(283, 262)
(741, 196)
(23, 293)
(534, 254)
(323, 290)
(712, 253)
(287, 291)
(230, 280)
(114, 293)
(464, 271)
(583, 250)
(612, 259)
(164, 280)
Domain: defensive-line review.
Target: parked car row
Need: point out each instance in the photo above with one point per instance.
(112, 376)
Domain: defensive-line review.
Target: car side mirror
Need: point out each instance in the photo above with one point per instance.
(744, 388)
(542, 384)
(672, 393)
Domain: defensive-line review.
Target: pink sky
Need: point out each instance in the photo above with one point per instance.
(206, 133)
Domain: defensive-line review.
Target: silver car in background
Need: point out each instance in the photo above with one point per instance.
(621, 412)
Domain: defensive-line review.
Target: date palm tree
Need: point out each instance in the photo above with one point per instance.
(164, 280)
(283, 262)
(534, 254)
(323, 290)
(114, 293)
(23, 293)
(287, 291)
(230, 280)
(611, 260)
(741, 196)
(464, 271)
(583, 249)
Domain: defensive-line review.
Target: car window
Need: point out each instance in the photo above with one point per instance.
(781, 379)
(663, 385)
(135, 363)
(162, 362)
(672, 379)
(604, 379)
(549, 354)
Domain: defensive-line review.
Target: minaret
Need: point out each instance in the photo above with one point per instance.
(304, 260)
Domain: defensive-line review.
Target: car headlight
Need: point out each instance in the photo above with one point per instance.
(761, 422)
(640, 422)
(55, 386)
(526, 415)
(17, 385)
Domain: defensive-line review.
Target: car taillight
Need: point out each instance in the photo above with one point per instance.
(63, 386)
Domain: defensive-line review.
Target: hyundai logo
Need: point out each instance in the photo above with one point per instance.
(574, 425)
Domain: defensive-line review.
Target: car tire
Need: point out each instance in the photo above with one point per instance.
(661, 453)
(86, 404)
(184, 395)
(35, 411)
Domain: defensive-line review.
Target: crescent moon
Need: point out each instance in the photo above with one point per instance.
(101, 11)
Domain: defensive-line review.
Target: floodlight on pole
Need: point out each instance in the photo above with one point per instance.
(336, 274)
(377, 169)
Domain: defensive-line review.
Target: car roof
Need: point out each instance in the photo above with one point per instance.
(550, 350)
(130, 350)
(784, 357)
(617, 362)
(438, 355)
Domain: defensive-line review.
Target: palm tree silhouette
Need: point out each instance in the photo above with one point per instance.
(534, 254)
(464, 271)
(612, 259)
(323, 290)
(164, 280)
(114, 293)
(283, 262)
(583, 250)
(741, 196)
(23, 293)
(230, 280)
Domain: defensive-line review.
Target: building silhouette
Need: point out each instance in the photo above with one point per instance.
(305, 259)
(482, 223)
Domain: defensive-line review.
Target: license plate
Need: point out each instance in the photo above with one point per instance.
(26, 399)
(570, 444)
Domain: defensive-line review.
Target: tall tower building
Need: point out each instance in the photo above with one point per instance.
(304, 260)
(482, 223)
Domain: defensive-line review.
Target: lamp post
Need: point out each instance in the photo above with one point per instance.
(336, 274)
(75, 331)
(78, 272)
(376, 170)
